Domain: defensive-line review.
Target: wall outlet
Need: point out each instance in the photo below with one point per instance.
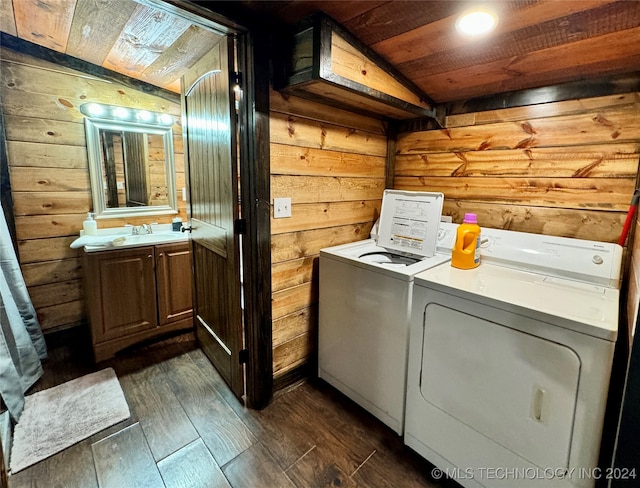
(281, 208)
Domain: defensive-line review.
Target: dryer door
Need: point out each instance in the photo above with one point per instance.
(514, 388)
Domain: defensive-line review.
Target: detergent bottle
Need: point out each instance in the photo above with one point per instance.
(466, 251)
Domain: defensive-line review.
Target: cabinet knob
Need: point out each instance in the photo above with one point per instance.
(150, 256)
(161, 254)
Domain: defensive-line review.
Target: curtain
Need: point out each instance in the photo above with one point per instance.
(22, 345)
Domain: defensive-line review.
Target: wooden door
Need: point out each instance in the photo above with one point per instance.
(210, 157)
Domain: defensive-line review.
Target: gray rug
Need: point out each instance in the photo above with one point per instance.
(61, 416)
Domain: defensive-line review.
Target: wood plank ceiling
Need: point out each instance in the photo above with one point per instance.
(536, 42)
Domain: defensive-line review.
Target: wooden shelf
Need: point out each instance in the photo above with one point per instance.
(325, 63)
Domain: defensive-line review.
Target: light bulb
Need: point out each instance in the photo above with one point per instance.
(476, 22)
(121, 113)
(95, 109)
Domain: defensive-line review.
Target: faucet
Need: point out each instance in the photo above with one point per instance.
(141, 229)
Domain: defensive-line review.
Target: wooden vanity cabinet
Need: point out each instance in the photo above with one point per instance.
(136, 294)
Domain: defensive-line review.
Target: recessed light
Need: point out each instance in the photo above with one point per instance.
(476, 22)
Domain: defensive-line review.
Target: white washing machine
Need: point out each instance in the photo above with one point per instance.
(509, 363)
(365, 302)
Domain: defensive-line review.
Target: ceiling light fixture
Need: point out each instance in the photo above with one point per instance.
(476, 22)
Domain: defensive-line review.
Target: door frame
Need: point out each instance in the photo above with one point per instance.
(254, 169)
(255, 195)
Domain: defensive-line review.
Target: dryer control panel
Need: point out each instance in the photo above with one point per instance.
(576, 259)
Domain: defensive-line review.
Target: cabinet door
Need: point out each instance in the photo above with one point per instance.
(173, 271)
(126, 301)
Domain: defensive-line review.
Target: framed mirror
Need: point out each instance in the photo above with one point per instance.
(131, 161)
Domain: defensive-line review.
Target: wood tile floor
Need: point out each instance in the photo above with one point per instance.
(188, 430)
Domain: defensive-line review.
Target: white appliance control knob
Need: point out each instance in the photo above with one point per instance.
(597, 259)
(485, 242)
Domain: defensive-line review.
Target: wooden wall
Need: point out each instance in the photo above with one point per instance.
(633, 290)
(564, 168)
(332, 165)
(49, 175)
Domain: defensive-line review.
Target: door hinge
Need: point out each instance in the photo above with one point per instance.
(240, 226)
(237, 78)
(243, 356)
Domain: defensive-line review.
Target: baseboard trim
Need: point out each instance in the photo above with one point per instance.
(308, 369)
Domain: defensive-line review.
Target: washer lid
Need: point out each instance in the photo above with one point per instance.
(409, 221)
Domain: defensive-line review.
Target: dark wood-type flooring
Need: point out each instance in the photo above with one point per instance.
(187, 430)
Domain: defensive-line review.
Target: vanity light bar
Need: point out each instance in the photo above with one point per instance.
(114, 112)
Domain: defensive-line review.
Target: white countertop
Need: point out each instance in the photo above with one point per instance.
(121, 238)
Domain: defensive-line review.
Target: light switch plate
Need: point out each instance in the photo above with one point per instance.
(281, 208)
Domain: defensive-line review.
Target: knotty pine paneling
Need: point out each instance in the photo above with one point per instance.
(51, 202)
(54, 293)
(294, 353)
(600, 127)
(283, 103)
(299, 131)
(46, 272)
(566, 107)
(351, 63)
(61, 180)
(294, 245)
(53, 249)
(565, 168)
(603, 193)
(579, 223)
(312, 189)
(294, 324)
(68, 87)
(332, 164)
(49, 174)
(595, 161)
(287, 274)
(62, 315)
(298, 161)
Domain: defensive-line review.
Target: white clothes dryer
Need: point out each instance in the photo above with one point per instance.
(509, 363)
(365, 302)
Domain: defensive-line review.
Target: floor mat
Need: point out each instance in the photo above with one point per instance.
(59, 417)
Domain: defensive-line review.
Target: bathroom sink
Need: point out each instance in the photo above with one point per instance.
(156, 238)
(121, 241)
